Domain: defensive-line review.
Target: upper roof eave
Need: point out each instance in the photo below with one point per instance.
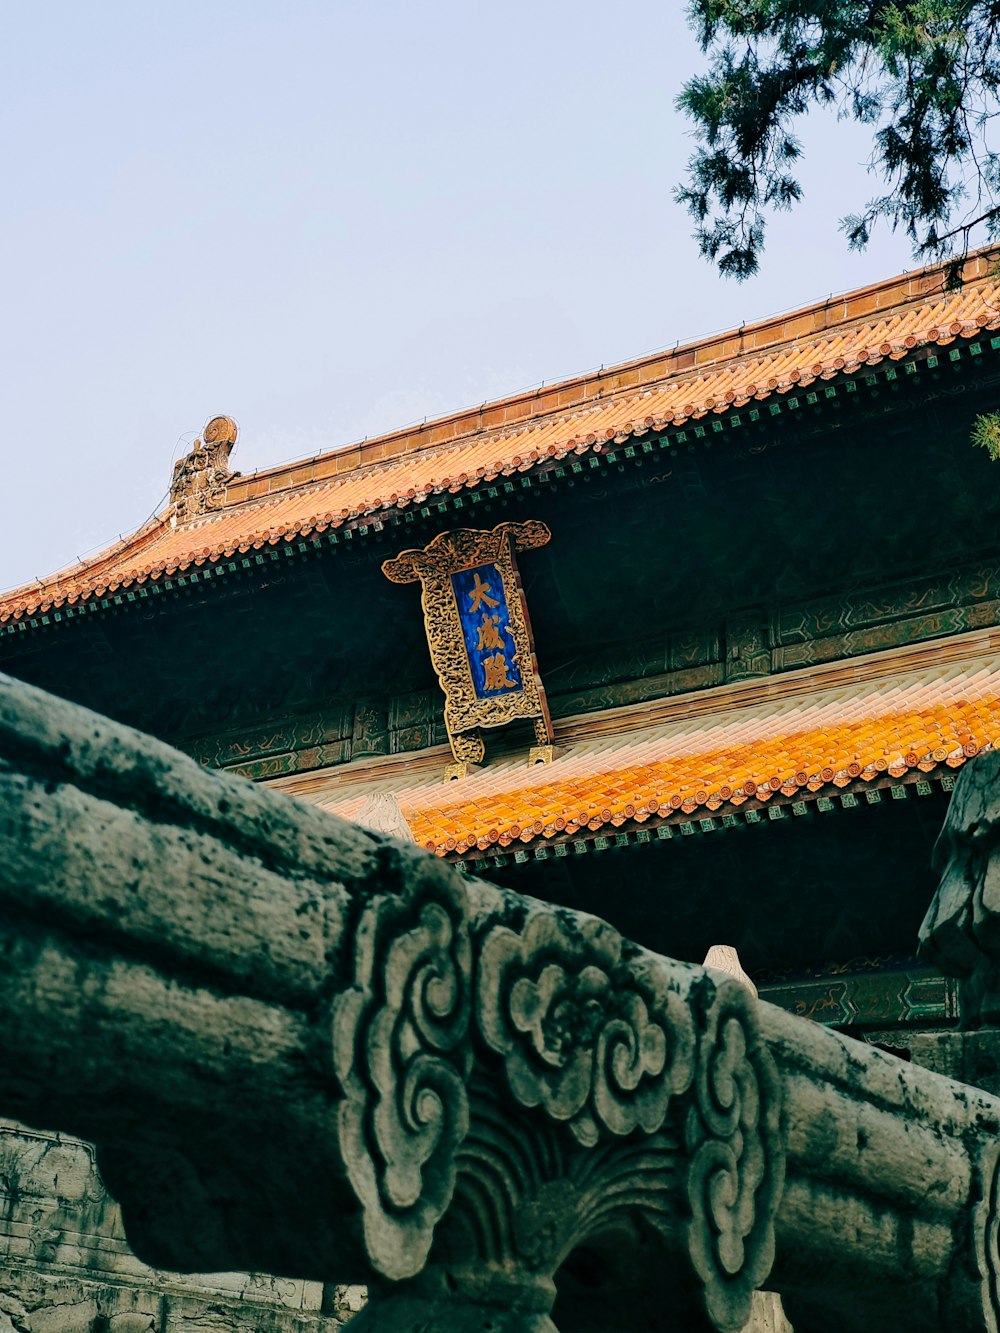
(838, 335)
(107, 561)
(840, 311)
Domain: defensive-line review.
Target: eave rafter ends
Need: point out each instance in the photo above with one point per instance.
(702, 387)
(620, 829)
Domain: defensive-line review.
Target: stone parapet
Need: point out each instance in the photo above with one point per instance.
(306, 1049)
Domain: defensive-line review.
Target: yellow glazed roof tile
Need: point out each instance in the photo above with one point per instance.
(876, 732)
(514, 435)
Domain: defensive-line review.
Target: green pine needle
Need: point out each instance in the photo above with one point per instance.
(986, 434)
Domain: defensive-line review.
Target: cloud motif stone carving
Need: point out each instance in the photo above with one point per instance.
(596, 1044)
(736, 1167)
(402, 1054)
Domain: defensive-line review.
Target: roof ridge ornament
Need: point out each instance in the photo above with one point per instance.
(201, 477)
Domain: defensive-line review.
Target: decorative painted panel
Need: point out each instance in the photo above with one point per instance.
(878, 606)
(747, 649)
(868, 619)
(886, 994)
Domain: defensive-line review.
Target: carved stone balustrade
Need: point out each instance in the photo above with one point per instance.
(303, 1048)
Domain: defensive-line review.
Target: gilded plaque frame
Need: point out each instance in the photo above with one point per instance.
(466, 712)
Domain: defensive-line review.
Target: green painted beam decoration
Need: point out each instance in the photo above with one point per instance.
(875, 993)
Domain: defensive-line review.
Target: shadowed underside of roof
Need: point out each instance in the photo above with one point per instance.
(835, 338)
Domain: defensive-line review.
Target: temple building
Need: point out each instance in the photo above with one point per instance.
(764, 628)
(696, 643)
(763, 625)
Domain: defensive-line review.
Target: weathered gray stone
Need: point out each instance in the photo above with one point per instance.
(57, 1220)
(305, 1049)
(968, 1057)
(766, 1313)
(961, 931)
(37, 1300)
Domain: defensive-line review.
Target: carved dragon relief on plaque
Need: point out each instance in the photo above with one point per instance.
(479, 634)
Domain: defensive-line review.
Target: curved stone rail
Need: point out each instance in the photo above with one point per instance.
(303, 1048)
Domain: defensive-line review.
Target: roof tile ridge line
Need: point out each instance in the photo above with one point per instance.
(437, 449)
(262, 501)
(421, 453)
(872, 320)
(338, 480)
(704, 372)
(61, 580)
(753, 357)
(201, 526)
(383, 465)
(901, 280)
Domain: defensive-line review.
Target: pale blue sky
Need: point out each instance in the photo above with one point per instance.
(328, 220)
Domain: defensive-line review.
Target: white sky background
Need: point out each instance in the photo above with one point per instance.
(331, 219)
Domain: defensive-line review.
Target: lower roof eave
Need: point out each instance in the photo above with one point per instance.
(885, 726)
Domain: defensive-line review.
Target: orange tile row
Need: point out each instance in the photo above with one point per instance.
(302, 500)
(931, 721)
(658, 368)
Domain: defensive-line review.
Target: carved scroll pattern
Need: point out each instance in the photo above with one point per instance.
(610, 1046)
(958, 934)
(468, 747)
(580, 1034)
(987, 1238)
(656, 1095)
(448, 553)
(532, 1193)
(401, 1052)
(201, 477)
(462, 549)
(736, 1164)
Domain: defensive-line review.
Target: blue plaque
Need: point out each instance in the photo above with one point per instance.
(482, 609)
